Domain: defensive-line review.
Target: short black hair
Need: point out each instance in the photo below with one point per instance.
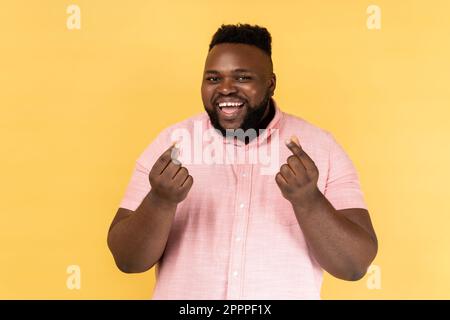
(243, 33)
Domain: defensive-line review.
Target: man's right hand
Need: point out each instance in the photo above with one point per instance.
(170, 181)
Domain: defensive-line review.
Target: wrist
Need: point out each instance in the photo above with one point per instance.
(158, 201)
(310, 202)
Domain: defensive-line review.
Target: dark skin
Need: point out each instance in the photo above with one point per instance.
(342, 241)
(137, 239)
(235, 71)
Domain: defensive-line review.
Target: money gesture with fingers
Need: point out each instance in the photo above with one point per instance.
(170, 181)
(297, 178)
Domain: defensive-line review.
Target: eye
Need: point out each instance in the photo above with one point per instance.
(212, 79)
(243, 78)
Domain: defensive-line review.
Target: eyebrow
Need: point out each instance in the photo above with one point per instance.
(234, 71)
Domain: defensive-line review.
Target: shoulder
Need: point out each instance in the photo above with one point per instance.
(200, 119)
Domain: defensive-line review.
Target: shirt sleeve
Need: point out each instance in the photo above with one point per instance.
(139, 184)
(342, 188)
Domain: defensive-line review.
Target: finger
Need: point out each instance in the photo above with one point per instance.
(162, 162)
(280, 180)
(187, 184)
(294, 145)
(175, 153)
(171, 170)
(296, 165)
(295, 140)
(287, 173)
(180, 176)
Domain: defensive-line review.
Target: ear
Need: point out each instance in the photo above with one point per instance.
(272, 83)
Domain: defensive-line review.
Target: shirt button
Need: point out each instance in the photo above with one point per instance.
(238, 239)
(244, 174)
(241, 205)
(235, 274)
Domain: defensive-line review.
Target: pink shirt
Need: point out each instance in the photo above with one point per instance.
(235, 236)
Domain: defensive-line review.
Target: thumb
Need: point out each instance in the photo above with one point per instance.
(294, 145)
(175, 152)
(295, 140)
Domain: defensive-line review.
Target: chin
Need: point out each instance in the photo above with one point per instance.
(230, 126)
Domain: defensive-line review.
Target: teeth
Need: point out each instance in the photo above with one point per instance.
(230, 104)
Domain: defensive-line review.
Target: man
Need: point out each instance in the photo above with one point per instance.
(222, 230)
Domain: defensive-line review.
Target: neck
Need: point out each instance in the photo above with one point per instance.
(266, 119)
(268, 115)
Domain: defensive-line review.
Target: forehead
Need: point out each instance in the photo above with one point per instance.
(226, 57)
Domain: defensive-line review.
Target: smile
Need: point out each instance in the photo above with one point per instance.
(230, 109)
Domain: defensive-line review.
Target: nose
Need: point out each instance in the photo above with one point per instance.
(226, 87)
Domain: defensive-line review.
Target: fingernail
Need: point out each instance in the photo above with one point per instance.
(175, 153)
(287, 141)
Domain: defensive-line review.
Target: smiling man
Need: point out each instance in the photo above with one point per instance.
(225, 231)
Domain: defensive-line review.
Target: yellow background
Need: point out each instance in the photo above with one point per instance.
(79, 106)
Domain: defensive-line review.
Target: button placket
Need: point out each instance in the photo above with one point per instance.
(239, 228)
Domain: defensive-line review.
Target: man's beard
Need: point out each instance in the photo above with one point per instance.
(252, 120)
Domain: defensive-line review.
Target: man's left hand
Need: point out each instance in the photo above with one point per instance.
(297, 178)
